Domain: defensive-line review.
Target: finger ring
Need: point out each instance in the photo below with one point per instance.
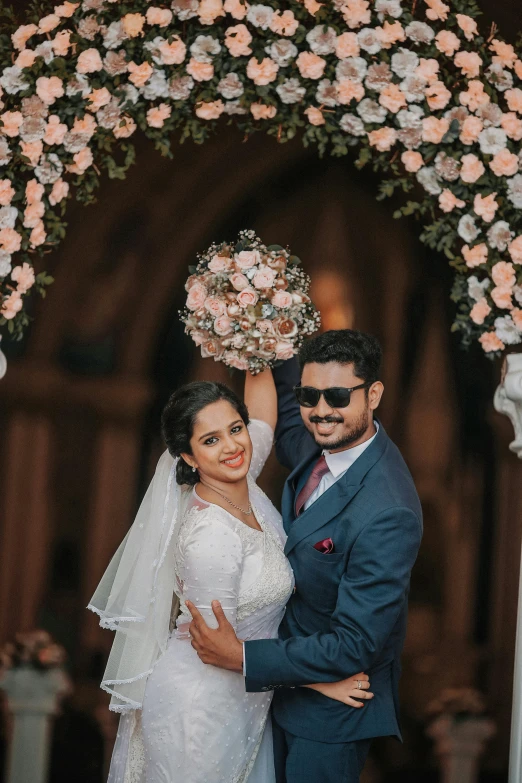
(359, 685)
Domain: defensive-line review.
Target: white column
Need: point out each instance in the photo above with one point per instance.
(508, 400)
(32, 698)
(459, 745)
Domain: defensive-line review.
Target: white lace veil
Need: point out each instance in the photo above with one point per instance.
(135, 595)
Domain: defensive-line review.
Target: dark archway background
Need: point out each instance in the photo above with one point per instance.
(80, 405)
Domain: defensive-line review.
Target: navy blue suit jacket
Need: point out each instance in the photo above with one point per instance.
(348, 613)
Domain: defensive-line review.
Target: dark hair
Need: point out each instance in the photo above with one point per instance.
(345, 346)
(179, 416)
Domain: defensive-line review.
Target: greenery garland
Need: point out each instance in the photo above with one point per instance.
(429, 101)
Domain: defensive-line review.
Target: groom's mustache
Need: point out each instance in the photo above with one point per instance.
(326, 419)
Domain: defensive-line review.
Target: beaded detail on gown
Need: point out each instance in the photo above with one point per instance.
(198, 723)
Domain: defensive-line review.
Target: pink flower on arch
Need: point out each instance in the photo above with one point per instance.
(392, 98)
(503, 274)
(469, 63)
(49, 88)
(261, 111)
(89, 61)
(24, 277)
(434, 130)
(485, 207)
(38, 235)
(310, 65)
(413, 161)
(515, 250)
(472, 168)
(475, 256)
(284, 23)
(468, 26)
(504, 163)
(6, 192)
(238, 39)
(11, 306)
(471, 129)
(157, 115)
(210, 110)
(347, 45)
(490, 342)
(475, 96)
(447, 42)
(479, 311)
(315, 115)
(503, 297)
(139, 74)
(10, 240)
(448, 201)
(262, 73)
(383, 139)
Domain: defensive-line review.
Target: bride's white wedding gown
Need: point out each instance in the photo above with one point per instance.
(198, 723)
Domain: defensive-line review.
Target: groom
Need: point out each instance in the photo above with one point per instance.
(354, 525)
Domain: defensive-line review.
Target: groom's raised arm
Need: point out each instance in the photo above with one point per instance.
(293, 442)
(370, 600)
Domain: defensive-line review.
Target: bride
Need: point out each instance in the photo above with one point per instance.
(204, 531)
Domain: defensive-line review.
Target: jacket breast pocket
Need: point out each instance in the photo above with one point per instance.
(319, 576)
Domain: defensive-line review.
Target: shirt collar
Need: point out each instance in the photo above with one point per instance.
(339, 462)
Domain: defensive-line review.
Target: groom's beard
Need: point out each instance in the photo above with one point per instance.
(352, 432)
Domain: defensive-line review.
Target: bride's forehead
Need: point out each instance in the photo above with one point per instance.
(216, 416)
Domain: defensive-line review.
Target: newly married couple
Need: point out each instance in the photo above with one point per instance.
(312, 608)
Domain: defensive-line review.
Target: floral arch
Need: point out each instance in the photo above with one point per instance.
(426, 99)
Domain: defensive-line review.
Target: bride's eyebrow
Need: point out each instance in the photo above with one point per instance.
(216, 432)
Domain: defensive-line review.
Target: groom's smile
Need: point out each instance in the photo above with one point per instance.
(351, 423)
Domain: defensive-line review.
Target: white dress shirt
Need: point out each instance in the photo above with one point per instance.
(338, 463)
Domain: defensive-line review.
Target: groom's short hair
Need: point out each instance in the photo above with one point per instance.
(345, 346)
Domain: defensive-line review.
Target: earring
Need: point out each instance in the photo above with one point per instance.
(194, 470)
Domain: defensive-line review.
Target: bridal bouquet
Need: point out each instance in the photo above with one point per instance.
(247, 304)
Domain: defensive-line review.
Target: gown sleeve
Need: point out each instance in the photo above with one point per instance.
(262, 436)
(210, 567)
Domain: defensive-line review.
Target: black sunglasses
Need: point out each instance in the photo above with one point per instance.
(336, 397)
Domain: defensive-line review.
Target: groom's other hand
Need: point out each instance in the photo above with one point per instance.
(220, 646)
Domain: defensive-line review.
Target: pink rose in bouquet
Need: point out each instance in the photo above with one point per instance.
(248, 296)
(215, 306)
(196, 296)
(264, 278)
(239, 281)
(219, 264)
(223, 325)
(211, 348)
(282, 299)
(284, 350)
(246, 259)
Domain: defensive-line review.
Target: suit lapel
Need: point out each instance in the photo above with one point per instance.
(334, 499)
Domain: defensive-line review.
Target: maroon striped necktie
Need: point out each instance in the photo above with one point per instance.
(313, 481)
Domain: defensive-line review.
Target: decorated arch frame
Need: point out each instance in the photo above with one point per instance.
(414, 87)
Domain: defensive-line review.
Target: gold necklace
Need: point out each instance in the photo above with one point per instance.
(248, 513)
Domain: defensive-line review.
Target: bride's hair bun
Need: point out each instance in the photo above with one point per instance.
(179, 415)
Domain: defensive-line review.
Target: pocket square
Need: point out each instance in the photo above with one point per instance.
(326, 546)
